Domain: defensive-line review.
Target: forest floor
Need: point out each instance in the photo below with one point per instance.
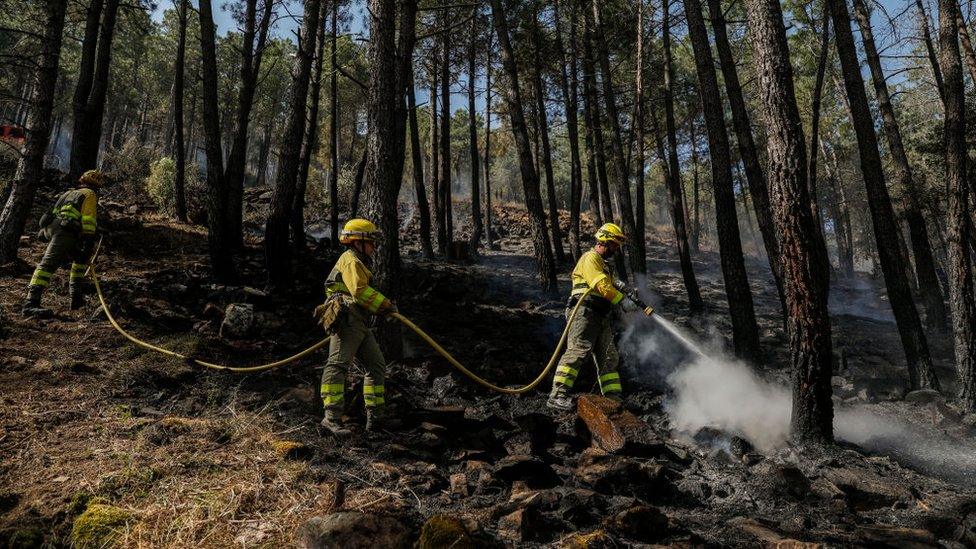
(97, 434)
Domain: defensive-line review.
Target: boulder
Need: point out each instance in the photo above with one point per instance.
(238, 321)
(641, 523)
(353, 530)
(923, 396)
(611, 427)
(535, 472)
(443, 531)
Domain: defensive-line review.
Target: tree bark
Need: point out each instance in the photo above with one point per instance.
(928, 280)
(218, 240)
(276, 248)
(640, 118)
(417, 158)
(594, 121)
(390, 61)
(745, 332)
(488, 237)
(962, 289)
(30, 168)
(92, 87)
(923, 23)
(696, 191)
(967, 47)
(815, 122)
(444, 184)
(747, 145)
(179, 180)
(251, 55)
(569, 87)
(808, 322)
(530, 178)
(920, 371)
(543, 134)
(334, 127)
(357, 182)
(311, 141)
(263, 153)
(638, 250)
(477, 227)
(838, 208)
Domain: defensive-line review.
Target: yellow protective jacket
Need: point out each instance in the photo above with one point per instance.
(592, 271)
(350, 276)
(77, 208)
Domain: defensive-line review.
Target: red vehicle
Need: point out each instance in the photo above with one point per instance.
(12, 135)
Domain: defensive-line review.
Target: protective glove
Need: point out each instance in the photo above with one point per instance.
(387, 308)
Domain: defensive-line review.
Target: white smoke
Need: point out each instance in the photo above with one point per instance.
(711, 390)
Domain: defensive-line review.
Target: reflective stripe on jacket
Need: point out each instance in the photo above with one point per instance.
(350, 276)
(78, 207)
(592, 271)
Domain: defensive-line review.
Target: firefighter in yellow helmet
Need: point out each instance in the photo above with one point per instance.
(349, 281)
(70, 229)
(590, 332)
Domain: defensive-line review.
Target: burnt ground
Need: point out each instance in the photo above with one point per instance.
(193, 457)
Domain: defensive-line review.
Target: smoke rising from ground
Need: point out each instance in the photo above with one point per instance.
(709, 390)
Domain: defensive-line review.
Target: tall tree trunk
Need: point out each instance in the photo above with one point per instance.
(435, 147)
(923, 23)
(838, 208)
(334, 127)
(251, 54)
(967, 47)
(747, 146)
(745, 332)
(417, 158)
(808, 322)
(357, 182)
(569, 86)
(594, 121)
(638, 125)
(179, 180)
(815, 122)
(477, 227)
(444, 184)
(92, 87)
(928, 280)
(218, 240)
(488, 238)
(263, 153)
(638, 250)
(311, 140)
(962, 289)
(696, 191)
(913, 339)
(390, 61)
(18, 203)
(276, 248)
(530, 178)
(543, 134)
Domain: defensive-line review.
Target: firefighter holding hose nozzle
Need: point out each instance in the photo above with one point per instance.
(591, 331)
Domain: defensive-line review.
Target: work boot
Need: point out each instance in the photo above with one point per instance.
(332, 422)
(377, 418)
(559, 400)
(77, 298)
(32, 306)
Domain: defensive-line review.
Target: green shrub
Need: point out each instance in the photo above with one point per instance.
(98, 526)
(160, 184)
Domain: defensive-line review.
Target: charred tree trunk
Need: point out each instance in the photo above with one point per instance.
(530, 178)
(696, 192)
(477, 227)
(923, 23)
(747, 146)
(488, 238)
(92, 86)
(962, 289)
(251, 54)
(637, 252)
(263, 154)
(310, 142)
(435, 162)
(357, 182)
(218, 240)
(838, 207)
(928, 280)
(815, 122)
(640, 119)
(276, 248)
(543, 134)
(594, 121)
(913, 339)
(808, 322)
(30, 169)
(390, 58)
(967, 47)
(444, 185)
(745, 332)
(179, 180)
(334, 127)
(417, 159)
(569, 87)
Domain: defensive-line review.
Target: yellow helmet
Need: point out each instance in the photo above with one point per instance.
(92, 178)
(610, 232)
(358, 229)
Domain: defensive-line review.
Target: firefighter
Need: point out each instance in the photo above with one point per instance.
(591, 332)
(349, 282)
(70, 229)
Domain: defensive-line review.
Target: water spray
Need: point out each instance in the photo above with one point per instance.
(669, 327)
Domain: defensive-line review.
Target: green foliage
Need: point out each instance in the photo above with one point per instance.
(98, 526)
(160, 184)
(129, 166)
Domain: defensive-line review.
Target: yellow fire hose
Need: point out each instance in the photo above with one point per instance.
(322, 343)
